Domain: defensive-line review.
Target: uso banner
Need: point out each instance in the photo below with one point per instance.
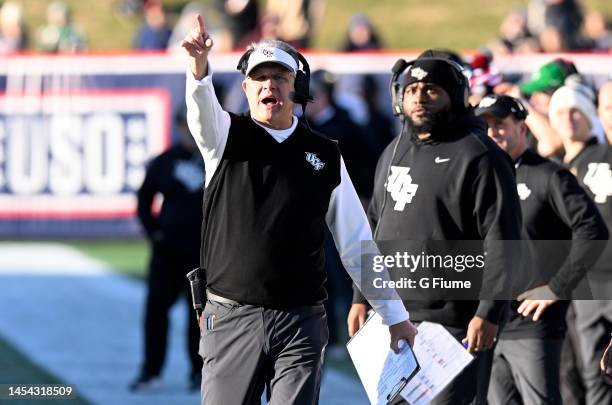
(76, 132)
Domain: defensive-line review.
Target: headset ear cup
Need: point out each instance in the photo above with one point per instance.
(523, 112)
(399, 99)
(302, 84)
(243, 62)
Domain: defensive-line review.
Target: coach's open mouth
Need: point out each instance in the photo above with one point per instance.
(269, 101)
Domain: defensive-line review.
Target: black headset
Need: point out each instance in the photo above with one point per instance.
(301, 94)
(400, 66)
(522, 112)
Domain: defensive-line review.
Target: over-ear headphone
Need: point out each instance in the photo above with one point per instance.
(397, 94)
(522, 112)
(301, 94)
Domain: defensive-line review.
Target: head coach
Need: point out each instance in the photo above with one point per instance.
(272, 185)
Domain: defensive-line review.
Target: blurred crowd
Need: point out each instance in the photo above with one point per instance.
(553, 26)
(540, 26)
(58, 34)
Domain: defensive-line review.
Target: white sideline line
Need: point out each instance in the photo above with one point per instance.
(72, 316)
(47, 259)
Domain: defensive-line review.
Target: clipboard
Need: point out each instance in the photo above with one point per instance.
(383, 373)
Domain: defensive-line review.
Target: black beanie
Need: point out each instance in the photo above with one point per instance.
(440, 73)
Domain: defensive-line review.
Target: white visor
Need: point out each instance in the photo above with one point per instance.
(271, 55)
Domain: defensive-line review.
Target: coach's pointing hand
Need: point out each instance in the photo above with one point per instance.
(198, 43)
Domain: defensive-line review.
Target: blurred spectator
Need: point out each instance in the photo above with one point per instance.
(13, 35)
(184, 24)
(572, 115)
(268, 26)
(513, 32)
(545, 81)
(529, 45)
(566, 16)
(596, 31)
(605, 109)
(154, 33)
(296, 19)
(551, 40)
(178, 176)
(130, 8)
(378, 130)
(59, 35)
(361, 35)
(556, 22)
(348, 95)
(538, 91)
(484, 77)
(536, 16)
(240, 17)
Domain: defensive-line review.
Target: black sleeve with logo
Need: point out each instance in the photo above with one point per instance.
(592, 168)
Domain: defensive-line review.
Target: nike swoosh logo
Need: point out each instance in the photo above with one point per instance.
(438, 159)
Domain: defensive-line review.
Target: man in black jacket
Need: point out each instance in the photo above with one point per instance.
(178, 175)
(563, 228)
(573, 116)
(444, 179)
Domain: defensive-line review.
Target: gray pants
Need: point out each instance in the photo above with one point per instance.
(526, 371)
(593, 326)
(248, 347)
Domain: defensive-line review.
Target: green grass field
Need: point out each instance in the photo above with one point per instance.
(403, 24)
(15, 368)
(129, 257)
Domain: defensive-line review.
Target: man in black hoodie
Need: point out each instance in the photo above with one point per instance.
(443, 179)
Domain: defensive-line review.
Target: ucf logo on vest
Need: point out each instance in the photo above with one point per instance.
(314, 160)
(399, 184)
(599, 179)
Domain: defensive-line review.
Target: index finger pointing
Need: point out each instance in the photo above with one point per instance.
(201, 25)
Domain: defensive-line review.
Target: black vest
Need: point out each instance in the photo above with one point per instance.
(264, 216)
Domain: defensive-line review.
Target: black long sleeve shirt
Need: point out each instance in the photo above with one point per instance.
(561, 224)
(459, 186)
(592, 167)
